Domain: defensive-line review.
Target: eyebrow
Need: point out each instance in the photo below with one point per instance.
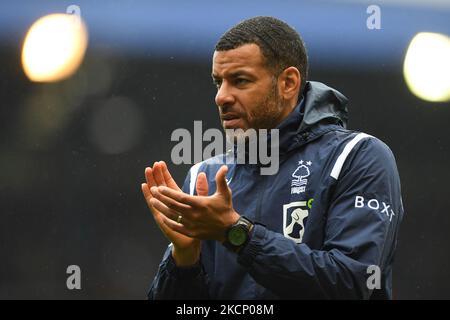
(234, 74)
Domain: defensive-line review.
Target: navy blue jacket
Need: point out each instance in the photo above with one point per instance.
(326, 223)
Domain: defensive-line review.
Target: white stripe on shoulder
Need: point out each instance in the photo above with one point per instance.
(194, 172)
(348, 147)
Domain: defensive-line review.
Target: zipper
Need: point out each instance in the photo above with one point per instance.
(261, 192)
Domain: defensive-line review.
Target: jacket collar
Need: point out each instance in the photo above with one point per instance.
(321, 109)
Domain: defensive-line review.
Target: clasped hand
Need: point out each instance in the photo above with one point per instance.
(200, 217)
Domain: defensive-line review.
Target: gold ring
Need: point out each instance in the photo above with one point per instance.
(179, 219)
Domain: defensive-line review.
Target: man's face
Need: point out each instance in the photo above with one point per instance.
(247, 93)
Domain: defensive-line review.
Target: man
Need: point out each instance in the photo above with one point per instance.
(324, 226)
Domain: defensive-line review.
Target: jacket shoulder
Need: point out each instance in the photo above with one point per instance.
(361, 149)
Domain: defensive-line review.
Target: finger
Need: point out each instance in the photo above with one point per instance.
(148, 196)
(180, 196)
(167, 176)
(161, 207)
(149, 177)
(159, 217)
(170, 213)
(202, 184)
(221, 181)
(177, 227)
(170, 203)
(157, 173)
(146, 192)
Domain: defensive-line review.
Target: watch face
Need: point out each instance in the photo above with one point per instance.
(237, 236)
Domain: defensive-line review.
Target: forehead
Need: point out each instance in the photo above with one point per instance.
(248, 57)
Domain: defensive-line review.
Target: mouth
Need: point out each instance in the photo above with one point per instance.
(231, 124)
(230, 121)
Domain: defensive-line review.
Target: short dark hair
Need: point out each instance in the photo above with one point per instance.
(281, 45)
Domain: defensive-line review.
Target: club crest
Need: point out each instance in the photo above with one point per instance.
(300, 175)
(294, 215)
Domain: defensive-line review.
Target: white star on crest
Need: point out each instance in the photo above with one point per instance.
(309, 163)
(300, 162)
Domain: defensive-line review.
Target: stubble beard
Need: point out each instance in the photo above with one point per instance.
(264, 116)
(267, 114)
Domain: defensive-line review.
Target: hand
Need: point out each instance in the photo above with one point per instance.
(203, 217)
(186, 250)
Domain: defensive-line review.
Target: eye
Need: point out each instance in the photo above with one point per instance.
(241, 81)
(217, 83)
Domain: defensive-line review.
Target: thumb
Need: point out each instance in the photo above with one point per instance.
(202, 184)
(221, 181)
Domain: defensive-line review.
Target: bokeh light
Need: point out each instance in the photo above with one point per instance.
(427, 66)
(116, 125)
(54, 47)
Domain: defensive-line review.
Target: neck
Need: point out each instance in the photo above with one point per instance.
(288, 107)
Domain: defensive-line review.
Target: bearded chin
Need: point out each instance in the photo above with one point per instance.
(233, 135)
(268, 113)
(265, 116)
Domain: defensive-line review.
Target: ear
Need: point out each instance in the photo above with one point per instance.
(290, 81)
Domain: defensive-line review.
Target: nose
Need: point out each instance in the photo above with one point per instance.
(224, 96)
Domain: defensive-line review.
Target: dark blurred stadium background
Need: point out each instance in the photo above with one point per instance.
(73, 152)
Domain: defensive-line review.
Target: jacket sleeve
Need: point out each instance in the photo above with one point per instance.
(362, 219)
(175, 283)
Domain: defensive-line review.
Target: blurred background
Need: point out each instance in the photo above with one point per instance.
(83, 111)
